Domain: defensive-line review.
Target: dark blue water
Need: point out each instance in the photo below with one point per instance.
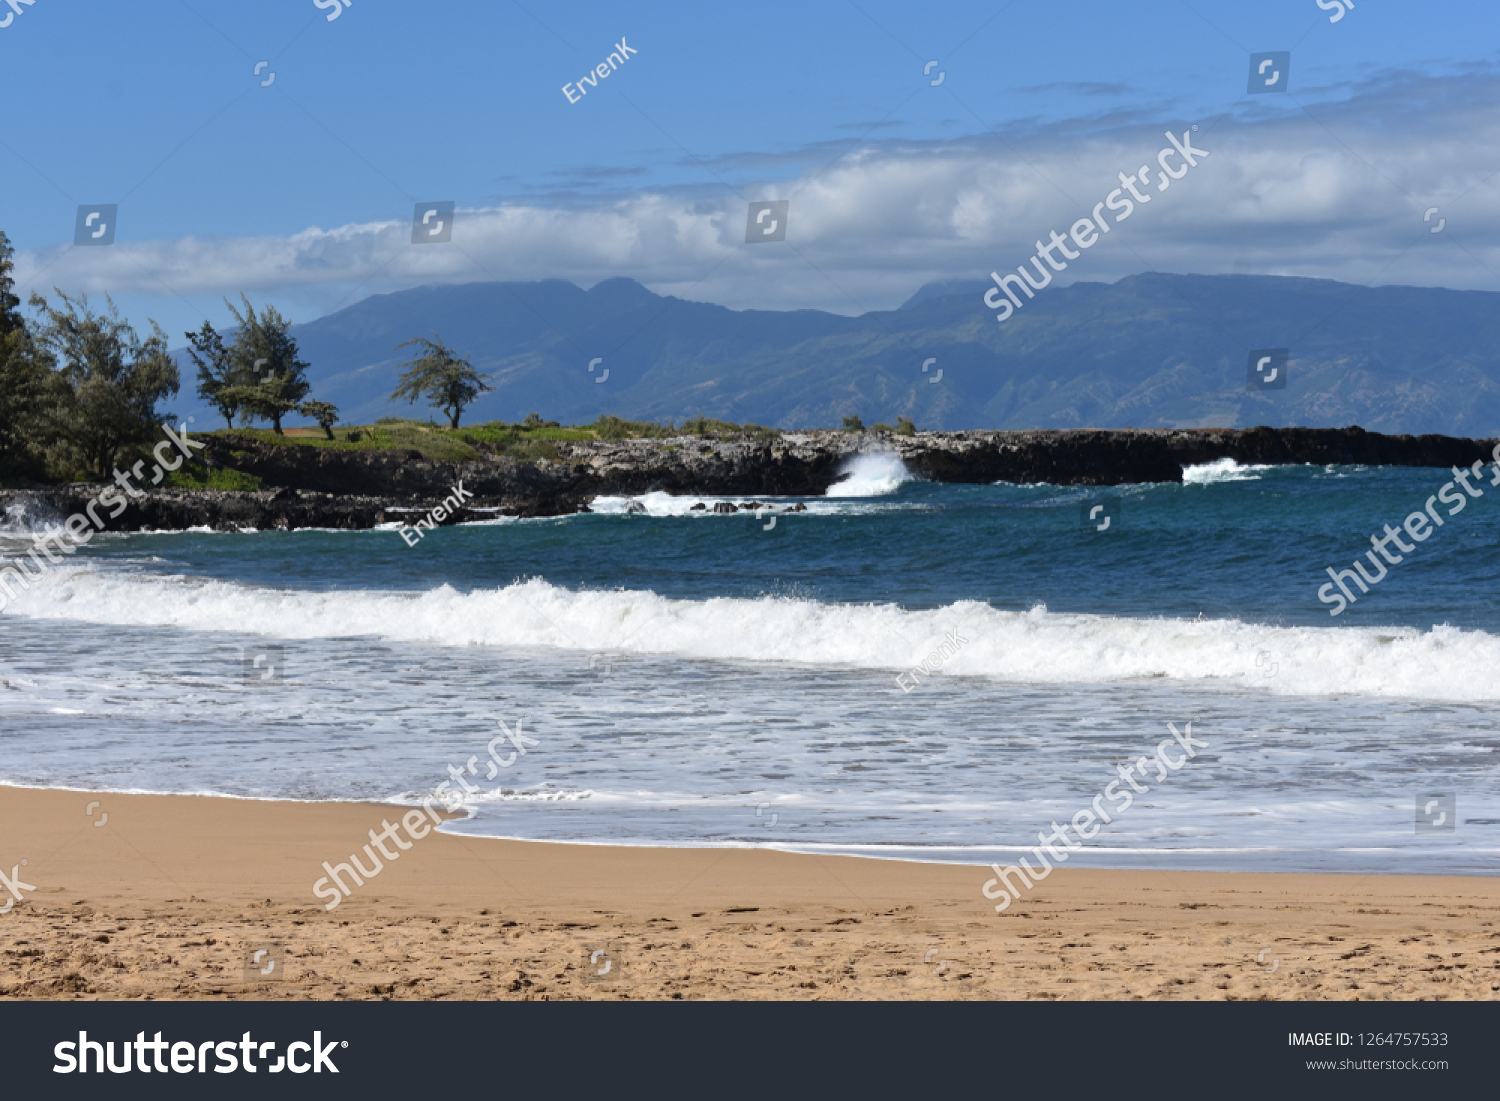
(925, 671)
(1254, 548)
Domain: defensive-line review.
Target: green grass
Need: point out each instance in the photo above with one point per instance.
(198, 476)
(527, 441)
(707, 426)
(435, 444)
(498, 432)
(609, 427)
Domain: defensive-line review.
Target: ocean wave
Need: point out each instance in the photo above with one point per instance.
(964, 639)
(30, 517)
(660, 504)
(1221, 470)
(871, 474)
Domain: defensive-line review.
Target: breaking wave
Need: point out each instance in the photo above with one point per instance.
(976, 640)
(871, 474)
(1221, 470)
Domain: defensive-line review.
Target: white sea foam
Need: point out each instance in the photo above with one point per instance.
(871, 474)
(27, 518)
(658, 504)
(480, 798)
(1221, 470)
(1034, 647)
(665, 504)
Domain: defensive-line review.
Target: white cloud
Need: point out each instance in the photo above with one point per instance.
(1338, 192)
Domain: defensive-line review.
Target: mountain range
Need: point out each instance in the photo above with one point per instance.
(1154, 350)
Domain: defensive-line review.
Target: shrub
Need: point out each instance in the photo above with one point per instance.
(530, 451)
(612, 428)
(197, 476)
(707, 426)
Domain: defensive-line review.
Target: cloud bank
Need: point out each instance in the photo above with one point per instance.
(1334, 187)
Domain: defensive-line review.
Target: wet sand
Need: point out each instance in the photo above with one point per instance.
(173, 896)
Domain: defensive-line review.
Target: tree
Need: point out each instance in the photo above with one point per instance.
(23, 395)
(448, 382)
(217, 378)
(23, 375)
(905, 427)
(269, 380)
(102, 396)
(324, 412)
(854, 424)
(11, 319)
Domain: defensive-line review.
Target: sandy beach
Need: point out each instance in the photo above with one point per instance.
(171, 897)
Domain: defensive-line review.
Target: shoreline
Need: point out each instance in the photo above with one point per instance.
(305, 486)
(169, 896)
(983, 856)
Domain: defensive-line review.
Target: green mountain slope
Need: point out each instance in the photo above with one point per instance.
(1148, 351)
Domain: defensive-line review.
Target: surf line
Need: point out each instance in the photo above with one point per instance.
(1085, 232)
(77, 527)
(1084, 822)
(416, 821)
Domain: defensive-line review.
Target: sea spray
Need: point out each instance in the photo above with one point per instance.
(871, 474)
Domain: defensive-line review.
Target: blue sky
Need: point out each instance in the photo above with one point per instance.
(301, 192)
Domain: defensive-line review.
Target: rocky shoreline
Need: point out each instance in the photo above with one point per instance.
(354, 490)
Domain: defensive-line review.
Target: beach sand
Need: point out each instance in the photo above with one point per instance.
(172, 896)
